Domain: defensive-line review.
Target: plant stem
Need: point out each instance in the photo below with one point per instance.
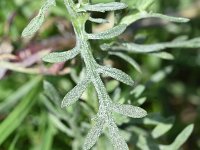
(78, 21)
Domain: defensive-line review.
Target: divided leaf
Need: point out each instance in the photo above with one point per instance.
(93, 134)
(57, 57)
(117, 141)
(75, 93)
(108, 34)
(36, 22)
(103, 7)
(128, 110)
(116, 74)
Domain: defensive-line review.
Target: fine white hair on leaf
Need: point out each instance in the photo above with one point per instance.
(36, 22)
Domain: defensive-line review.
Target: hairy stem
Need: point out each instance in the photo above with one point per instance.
(78, 21)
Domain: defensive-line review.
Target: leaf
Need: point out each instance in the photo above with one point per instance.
(128, 59)
(36, 22)
(129, 19)
(75, 93)
(11, 101)
(101, 7)
(168, 18)
(138, 90)
(93, 134)
(108, 34)
(140, 4)
(117, 141)
(61, 126)
(128, 110)
(112, 85)
(151, 48)
(15, 118)
(161, 129)
(163, 55)
(98, 20)
(162, 125)
(48, 137)
(160, 75)
(116, 74)
(51, 92)
(180, 139)
(57, 57)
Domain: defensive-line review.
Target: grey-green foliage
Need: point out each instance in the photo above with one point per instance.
(36, 22)
(79, 14)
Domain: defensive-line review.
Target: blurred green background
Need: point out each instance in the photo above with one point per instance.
(177, 94)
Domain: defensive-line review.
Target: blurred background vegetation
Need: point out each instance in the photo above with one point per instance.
(23, 102)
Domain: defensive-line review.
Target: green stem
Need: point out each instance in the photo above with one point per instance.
(78, 21)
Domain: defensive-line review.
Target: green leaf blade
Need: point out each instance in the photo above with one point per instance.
(93, 135)
(37, 22)
(57, 57)
(116, 74)
(129, 110)
(75, 93)
(108, 34)
(103, 7)
(117, 141)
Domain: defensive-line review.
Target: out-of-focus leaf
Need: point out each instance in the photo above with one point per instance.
(112, 85)
(163, 55)
(48, 137)
(138, 48)
(138, 90)
(16, 117)
(180, 139)
(158, 76)
(58, 124)
(18, 94)
(51, 92)
(128, 59)
(129, 19)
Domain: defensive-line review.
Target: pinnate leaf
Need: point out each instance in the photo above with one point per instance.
(116, 74)
(108, 34)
